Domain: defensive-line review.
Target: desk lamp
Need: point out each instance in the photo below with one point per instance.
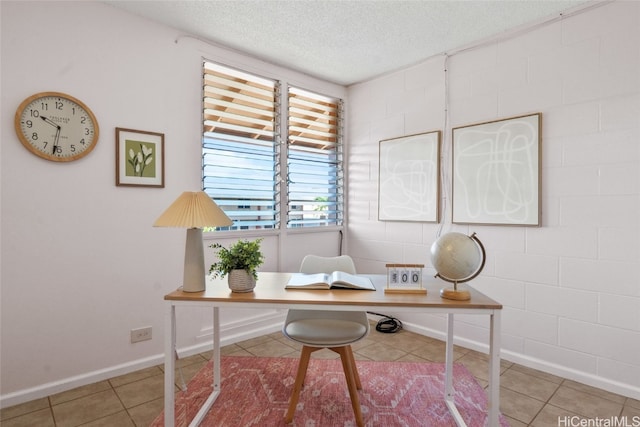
(193, 210)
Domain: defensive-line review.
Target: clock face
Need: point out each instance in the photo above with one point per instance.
(56, 126)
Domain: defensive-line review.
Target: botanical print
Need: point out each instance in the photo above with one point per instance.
(140, 159)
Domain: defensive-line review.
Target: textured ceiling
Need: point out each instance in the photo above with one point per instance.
(346, 42)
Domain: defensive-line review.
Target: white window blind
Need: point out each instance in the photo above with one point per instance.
(314, 160)
(240, 146)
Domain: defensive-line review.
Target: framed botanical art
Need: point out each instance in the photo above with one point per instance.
(409, 178)
(139, 158)
(496, 172)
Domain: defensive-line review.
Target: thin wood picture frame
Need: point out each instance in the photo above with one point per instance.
(409, 178)
(139, 158)
(496, 172)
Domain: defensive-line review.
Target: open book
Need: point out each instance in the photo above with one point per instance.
(335, 280)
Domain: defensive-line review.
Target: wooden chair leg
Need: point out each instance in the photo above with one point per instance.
(297, 386)
(346, 356)
(356, 375)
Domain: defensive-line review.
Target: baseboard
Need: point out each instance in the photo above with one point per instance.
(587, 378)
(229, 334)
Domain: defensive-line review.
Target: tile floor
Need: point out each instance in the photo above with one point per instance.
(527, 397)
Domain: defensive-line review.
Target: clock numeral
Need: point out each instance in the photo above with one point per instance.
(34, 136)
(82, 141)
(59, 105)
(28, 123)
(73, 148)
(58, 150)
(44, 106)
(83, 119)
(34, 113)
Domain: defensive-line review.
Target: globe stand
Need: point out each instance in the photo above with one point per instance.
(457, 258)
(455, 294)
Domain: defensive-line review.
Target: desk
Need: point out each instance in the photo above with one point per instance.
(270, 293)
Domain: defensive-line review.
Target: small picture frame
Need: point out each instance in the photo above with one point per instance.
(405, 279)
(139, 158)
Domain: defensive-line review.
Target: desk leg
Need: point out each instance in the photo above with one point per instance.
(494, 369)
(169, 363)
(216, 349)
(449, 392)
(448, 385)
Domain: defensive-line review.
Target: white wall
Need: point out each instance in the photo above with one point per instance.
(81, 263)
(571, 288)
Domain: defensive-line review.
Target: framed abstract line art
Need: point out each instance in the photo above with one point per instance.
(139, 158)
(409, 178)
(496, 172)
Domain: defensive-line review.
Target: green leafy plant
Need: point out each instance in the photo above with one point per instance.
(242, 255)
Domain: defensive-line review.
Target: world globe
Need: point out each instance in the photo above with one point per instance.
(457, 258)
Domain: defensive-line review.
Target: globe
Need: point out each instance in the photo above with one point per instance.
(457, 257)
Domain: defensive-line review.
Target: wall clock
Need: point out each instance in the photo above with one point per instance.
(56, 126)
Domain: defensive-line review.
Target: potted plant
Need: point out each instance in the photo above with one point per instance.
(239, 261)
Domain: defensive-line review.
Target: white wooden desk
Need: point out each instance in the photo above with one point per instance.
(270, 293)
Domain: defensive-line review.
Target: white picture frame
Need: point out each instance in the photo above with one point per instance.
(409, 178)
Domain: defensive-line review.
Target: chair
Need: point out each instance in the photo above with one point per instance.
(335, 330)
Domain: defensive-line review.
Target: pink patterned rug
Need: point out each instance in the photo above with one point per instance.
(255, 392)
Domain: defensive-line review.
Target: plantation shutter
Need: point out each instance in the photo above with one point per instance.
(314, 160)
(240, 150)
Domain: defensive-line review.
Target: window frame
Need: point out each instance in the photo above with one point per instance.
(281, 144)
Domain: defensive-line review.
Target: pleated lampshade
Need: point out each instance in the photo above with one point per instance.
(193, 210)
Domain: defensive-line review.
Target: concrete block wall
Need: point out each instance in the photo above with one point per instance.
(571, 287)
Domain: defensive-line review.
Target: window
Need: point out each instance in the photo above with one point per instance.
(314, 160)
(240, 146)
(241, 152)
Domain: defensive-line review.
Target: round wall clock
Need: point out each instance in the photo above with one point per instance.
(56, 126)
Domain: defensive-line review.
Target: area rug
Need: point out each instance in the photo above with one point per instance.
(255, 392)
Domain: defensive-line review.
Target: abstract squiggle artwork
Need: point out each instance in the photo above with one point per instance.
(409, 178)
(496, 172)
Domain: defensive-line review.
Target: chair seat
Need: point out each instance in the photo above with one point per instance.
(325, 332)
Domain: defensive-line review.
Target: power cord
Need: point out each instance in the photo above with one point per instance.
(387, 324)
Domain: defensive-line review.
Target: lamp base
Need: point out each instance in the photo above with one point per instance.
(455, 294)
(194, 275)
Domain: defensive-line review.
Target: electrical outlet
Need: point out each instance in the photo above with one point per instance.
(141, 334)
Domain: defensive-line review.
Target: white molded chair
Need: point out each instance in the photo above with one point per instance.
(335, 330)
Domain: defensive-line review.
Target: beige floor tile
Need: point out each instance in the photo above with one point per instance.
(79, 392)
(143, 415)
(120, 419)
(135, 376)
(519, 406)
(24, 408)
(595, 391)
(479, 367)
(142, 391)
(632, 413)
(634, 403)
(435, 351)
(271, 348)
(85, 409)
(551, 415)
(535, 387)
(253, 341)
(380, 351)
(585, 404)
(40, 418)
(536, 373)
(515, 423)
